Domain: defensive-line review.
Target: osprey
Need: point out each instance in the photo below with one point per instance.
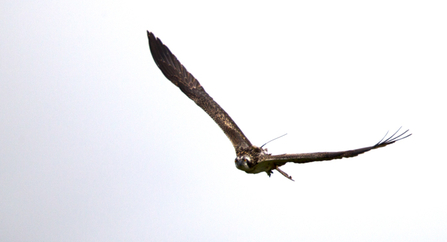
(249, 158)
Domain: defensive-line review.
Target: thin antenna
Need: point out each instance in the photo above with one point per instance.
(274, 139)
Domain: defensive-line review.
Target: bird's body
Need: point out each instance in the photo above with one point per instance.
(249, 158)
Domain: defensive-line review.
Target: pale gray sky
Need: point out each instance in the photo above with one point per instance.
(96, 145)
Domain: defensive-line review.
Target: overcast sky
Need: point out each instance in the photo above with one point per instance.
(97, 145)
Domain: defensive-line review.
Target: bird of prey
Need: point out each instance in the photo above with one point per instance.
(249, 158)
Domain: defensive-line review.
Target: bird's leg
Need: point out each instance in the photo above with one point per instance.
(283, 173)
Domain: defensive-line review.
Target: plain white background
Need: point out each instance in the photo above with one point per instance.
(97, 145)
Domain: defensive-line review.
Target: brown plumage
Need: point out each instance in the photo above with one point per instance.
(177, 74)
(249, 158)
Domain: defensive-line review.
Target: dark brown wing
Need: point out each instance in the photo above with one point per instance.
(279, 160)
(177, 74)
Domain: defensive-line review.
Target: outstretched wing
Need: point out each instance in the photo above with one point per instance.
(177, 74)
(279, 160)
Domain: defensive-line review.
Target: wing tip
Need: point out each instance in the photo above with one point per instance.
(151, 35)
(393, 138)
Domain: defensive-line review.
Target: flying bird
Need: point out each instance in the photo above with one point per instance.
(249, 158)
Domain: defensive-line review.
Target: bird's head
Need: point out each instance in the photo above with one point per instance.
(242, 162)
